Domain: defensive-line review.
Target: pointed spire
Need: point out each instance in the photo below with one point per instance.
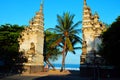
(42, 2)
(85, 3)
(41, 6)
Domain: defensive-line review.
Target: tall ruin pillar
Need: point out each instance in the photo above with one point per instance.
(31, 43)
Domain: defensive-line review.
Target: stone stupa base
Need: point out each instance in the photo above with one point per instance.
(32, 68)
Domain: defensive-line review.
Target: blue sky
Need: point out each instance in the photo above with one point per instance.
(21, 11)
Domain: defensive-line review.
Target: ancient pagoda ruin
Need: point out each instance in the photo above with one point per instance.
(31, 43)
(91, 30)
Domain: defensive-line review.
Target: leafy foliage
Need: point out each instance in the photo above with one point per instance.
(111, 44)
(50, 53)
(9, 44)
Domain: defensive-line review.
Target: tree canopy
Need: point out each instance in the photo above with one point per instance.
(111, 44)
(9, 44)
(50, 53)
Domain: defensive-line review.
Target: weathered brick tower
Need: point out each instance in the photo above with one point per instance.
(91, 30)
(31, 43)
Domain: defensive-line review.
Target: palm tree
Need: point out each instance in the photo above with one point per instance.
(66, 34)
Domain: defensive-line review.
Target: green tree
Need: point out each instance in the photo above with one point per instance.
(50, 53)
(66, 34)
(111, 44)
(9, 44)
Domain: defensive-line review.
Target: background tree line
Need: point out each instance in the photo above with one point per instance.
(110, 47)
(9, 46)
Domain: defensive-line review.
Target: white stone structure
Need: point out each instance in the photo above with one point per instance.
(31, 41)
(91, 30)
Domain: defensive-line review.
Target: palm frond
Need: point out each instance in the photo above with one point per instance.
(76, 25)
(77, 48)
(75, 31)
(69, 44)
(57, 42)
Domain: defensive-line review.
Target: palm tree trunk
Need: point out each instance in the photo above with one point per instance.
(48, 62)
(63, 58)
(63, 63)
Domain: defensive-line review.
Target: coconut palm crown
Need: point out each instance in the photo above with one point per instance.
(67, 34)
